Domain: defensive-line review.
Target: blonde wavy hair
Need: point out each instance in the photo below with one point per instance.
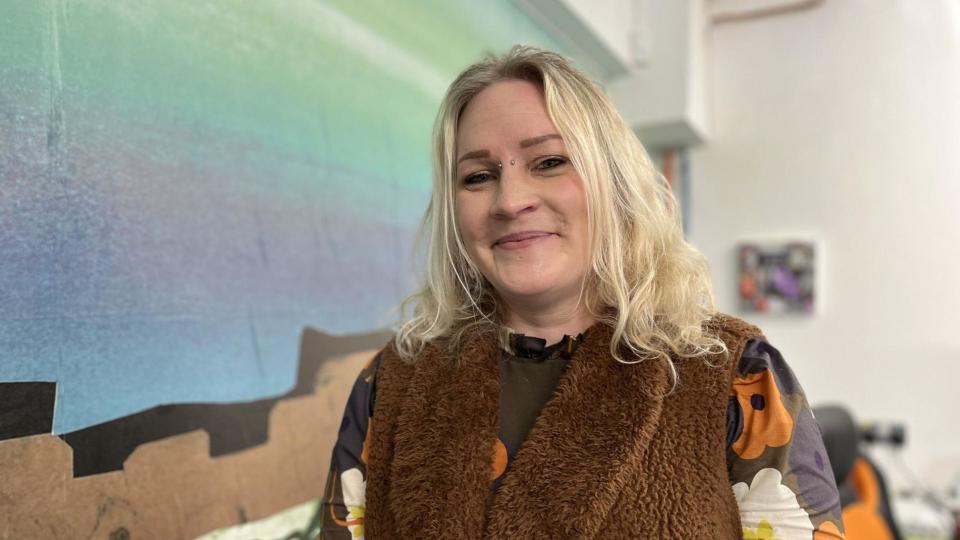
(646, 281)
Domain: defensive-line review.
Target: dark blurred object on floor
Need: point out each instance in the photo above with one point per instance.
(863, 491)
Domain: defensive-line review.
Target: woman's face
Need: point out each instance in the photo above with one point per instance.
(525, 224)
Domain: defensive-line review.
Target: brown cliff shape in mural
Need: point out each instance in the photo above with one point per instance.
(104, 447)
(172, 488)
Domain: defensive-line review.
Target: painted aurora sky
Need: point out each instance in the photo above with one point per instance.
(185, 186)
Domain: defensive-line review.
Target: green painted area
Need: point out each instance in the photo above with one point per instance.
(343, 84)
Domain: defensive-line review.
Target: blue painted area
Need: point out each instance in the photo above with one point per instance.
(185, 187)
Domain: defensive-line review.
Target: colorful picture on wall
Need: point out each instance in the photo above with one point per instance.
(777, 277)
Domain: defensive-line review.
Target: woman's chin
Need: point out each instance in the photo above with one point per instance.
(527, 289)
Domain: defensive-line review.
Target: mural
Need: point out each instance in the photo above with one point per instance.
(179, 471)
(187, 190)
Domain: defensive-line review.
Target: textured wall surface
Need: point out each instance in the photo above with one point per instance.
(185, 186)
(201, 203)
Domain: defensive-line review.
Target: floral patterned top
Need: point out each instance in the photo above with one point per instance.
(778, 468)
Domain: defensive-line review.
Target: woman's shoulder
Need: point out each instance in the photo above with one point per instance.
(391, 361)
(392, 354)
(760, 355)
(757, 353)
(722, 323)
(765, 399)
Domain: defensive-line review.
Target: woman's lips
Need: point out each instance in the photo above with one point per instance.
(521, 240)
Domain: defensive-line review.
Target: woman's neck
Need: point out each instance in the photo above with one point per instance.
(550, 325)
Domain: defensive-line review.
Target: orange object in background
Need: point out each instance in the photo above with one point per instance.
(863, 519)
(863, 493)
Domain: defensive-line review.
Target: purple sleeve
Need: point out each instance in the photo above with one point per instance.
(778, 466)
(344, 499)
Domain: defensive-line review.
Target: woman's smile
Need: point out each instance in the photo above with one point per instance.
(522, 239)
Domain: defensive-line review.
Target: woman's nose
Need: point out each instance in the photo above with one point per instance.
(515, 194)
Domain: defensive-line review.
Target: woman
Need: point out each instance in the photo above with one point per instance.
(564, 373)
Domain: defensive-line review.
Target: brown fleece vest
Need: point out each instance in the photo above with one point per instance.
(609, 456)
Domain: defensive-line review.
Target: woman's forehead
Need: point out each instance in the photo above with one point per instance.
(505, 113)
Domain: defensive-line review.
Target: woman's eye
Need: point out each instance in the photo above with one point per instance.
(477, 178)
(551, 163)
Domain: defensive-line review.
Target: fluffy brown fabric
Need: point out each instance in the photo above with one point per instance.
(610, 456)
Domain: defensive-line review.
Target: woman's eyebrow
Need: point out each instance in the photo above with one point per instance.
(474, 155)
(525, 143)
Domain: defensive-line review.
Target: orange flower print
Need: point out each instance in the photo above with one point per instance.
(499, 459)
(766, 422)
(828, 531)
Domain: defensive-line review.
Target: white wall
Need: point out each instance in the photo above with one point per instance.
(663, 98)
(611, 20)
(843, 124)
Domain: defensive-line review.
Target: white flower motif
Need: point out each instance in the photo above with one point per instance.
(355, 499)
(768, 500)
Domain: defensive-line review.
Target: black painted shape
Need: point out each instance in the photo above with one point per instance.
(26, 408)
(232, 426)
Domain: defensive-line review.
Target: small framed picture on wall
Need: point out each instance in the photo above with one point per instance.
(777, 277)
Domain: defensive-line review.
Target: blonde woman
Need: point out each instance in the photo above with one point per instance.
(563, 372)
